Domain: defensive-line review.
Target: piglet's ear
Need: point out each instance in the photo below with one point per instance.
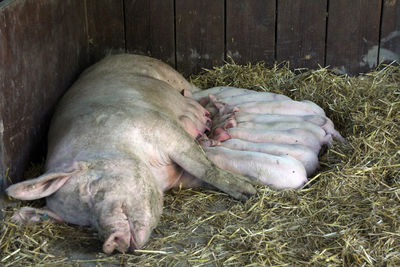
(41, 186)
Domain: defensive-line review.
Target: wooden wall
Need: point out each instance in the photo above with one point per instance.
(352, 36)
(44, 44)
(43, 47)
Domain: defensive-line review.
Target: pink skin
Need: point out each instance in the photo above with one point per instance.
(305, 155)
(224, 121)
(286, 107)
(220, 134)
(324, 122)
(251, 97)
(267, 118)
(330, 129)
(319, 133)
(220, 91)
(278, 172)
(290, 136)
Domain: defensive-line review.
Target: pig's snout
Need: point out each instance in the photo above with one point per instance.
(119, 241)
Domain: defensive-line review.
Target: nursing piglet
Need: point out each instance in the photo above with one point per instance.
(302, 153)
(278, 172)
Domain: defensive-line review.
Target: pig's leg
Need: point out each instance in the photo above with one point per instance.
(27, 214)
(190, 127)
(190, 156)
(330, 129)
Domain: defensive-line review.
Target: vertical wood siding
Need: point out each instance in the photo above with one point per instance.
(250, 30)
(351, 36)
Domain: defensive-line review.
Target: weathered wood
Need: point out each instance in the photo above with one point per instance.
(353, 35)
(43, 48)
(250, 30)
(105, 20)
(150, 29)
(390, 35)
(199, 34)
(301, 26)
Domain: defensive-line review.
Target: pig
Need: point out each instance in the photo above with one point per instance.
(278, 172)
(317, 131)
(220, 91)
(302, 153)
(322, 121)
(268, 118)
(283, 107)
(290, 136)
(251, 97)
(121, 136)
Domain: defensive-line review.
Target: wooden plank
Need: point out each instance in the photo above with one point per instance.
(250, 30)
(150, 29)
(199, 34)
(353, 35)
(301, 27)
(390, 35)
(43, 49)
(105, 20)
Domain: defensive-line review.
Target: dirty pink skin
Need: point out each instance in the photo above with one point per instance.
(290, 137)
(278, 172)
(302, 153)
(121, 136)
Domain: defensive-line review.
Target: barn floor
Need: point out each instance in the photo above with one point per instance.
(349, 214)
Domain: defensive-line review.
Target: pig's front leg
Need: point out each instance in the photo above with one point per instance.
(191, 157)
(28, 214)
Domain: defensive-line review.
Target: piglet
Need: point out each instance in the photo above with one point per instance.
(278, 172)
(302, 153)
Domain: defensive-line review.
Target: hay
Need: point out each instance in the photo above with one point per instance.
(348, 215)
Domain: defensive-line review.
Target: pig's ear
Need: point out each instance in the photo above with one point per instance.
(41, 186)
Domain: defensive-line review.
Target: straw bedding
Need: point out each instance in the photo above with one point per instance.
(349, 214)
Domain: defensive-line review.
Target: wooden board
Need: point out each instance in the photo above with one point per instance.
(43, 49)
(250, 31)
(390, 35)
(105, 20)
(199, 34)
(353, 35)
(301, 27)
(150, 29)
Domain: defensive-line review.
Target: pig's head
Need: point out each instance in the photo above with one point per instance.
(127, 206)
(122, 199)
